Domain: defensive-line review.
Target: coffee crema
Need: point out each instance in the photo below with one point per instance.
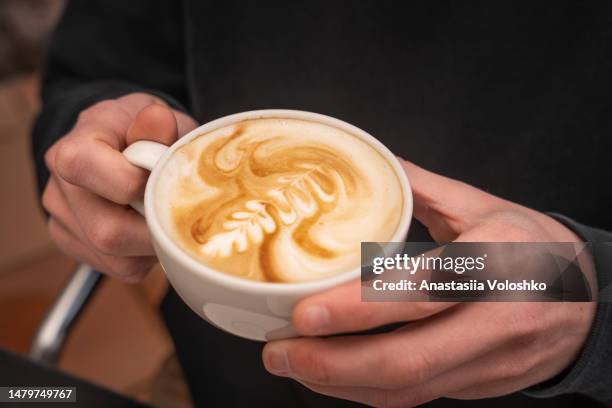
(278, 200)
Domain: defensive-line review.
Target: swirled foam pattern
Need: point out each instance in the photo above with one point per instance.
(278, 200)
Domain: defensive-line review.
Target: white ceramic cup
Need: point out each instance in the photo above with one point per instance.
(251, 309)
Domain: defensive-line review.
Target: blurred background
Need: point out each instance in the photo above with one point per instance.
(119, 341)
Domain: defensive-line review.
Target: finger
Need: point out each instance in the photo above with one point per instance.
(507, 369)
(454, 382)
(137, 233)
(446, 206)
(156, 123)
(491, 375)
(56, 204)
(127, 269)
(71, 246)
(405, 357)
(90, 156)
(376, 397)
(159, 124)
(85, 159)
(138, 101)
(185, 123)
(340, 310)
(109, 228)
(54, 201)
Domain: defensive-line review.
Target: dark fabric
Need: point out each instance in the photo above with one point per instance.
(103, 50)
(510, 96)
(17, 371)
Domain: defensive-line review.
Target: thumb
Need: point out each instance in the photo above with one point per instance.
(447, 207)
(159, 123)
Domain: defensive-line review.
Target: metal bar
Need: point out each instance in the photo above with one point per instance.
(49, 339)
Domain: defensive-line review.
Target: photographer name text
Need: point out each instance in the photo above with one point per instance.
(458, 265)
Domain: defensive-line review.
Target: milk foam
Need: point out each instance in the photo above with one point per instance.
(279, 200)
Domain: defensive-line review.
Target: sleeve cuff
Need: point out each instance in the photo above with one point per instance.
(591, 374)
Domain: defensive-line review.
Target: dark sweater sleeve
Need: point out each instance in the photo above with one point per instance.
(591, 374)
(102, 50)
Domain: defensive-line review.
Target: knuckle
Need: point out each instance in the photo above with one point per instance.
(91, 112)
(512, 368)
(97, 109)
(518, 233)
(108, 111)
(47, 200)
(91, 135)
(68, 161)
(82, 116)
(527, 325)
(49, 158)
(510, 226)
(106, 237)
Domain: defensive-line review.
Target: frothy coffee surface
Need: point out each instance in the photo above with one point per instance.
(278, 200)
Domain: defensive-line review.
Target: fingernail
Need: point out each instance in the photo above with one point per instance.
(277, 361)
(315, 318)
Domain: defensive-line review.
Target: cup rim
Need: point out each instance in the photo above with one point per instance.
(170, 248)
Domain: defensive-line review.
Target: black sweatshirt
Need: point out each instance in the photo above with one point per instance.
(512, 98)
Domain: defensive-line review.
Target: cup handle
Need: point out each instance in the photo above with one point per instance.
(145, 154)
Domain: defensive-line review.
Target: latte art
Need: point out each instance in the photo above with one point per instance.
(278, 200)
